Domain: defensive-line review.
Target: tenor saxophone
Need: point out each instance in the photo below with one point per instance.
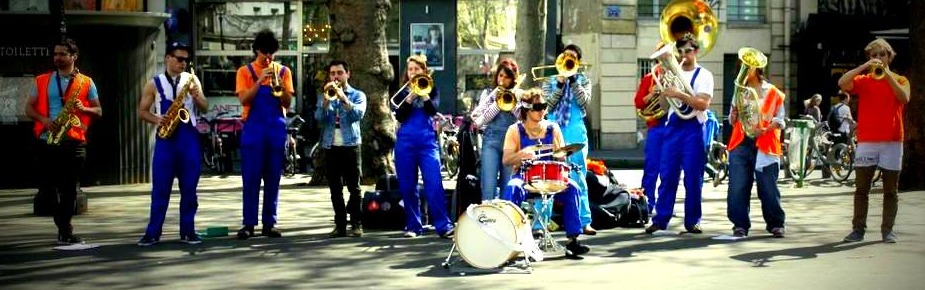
(67, 119)
(177, 112)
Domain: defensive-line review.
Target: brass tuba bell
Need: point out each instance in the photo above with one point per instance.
(745, 98)
(681, 17)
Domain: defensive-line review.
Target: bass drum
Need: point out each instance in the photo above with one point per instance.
(489, 235)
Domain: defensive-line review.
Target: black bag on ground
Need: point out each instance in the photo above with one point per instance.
(619, 208)
(382, 209)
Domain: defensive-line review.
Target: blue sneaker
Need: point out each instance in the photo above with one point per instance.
(192, 239)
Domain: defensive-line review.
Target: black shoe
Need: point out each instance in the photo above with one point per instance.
(69, 240)
(448, 234)
(337, 233)
(246, 232)
(651, 229)
(147, 241)
(574, 248)
(192, 239)
(695, 229)
(271, 232)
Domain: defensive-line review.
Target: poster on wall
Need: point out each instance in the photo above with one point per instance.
(427, 40)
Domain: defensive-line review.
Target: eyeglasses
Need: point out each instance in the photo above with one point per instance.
(685, 50)
(180, 58)
(538, 107)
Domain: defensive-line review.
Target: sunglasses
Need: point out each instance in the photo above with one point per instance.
(180, 58)
(538, 107)
(685, 50)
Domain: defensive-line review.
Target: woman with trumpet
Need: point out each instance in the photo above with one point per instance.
(494, 114)
(568, 94)
(263, 138)
(416, 148)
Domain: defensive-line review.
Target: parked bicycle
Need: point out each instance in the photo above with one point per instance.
(291, 164)
(217, 134)
(718, 157)
(827, 150)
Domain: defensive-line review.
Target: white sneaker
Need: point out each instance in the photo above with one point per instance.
(410, 234)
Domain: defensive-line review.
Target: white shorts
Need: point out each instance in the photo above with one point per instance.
(886, 155)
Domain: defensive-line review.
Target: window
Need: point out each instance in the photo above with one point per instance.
(232, 25)
(650, 8)
(746, 10)
(645, 66)
(486, 24)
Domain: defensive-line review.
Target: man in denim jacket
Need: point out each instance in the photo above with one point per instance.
(340, 118)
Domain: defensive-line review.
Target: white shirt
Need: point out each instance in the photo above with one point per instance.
(844, 114)
(169, 91)
(702, 85)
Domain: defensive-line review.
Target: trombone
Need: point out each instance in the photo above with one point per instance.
(421, 85)
(507, 99)
(566, 65)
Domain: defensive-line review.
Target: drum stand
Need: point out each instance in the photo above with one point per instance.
(511, 267)
(547, 243)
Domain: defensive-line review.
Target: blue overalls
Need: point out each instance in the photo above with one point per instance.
(493, 172)
(682, 148)
(576, 132)
(516, 193)
(263, 141)
(416, 147)
(178, 156)
(655, 139)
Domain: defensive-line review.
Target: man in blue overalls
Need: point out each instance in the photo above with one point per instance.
(340, 117)
(178, 155)
(568, 99)
(683, 142)
(265, 90)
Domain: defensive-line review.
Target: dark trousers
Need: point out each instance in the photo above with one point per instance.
(861, 196)
(343, 168)
(62, 165)
(742, 175)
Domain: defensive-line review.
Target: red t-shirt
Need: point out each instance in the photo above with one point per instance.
(645, 87)
(880, 113)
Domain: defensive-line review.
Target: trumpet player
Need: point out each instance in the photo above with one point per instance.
(882, 96)
(493, 122)
(568, 96)
(265, 90)
(683, 143)
(340, 116)
(754, 157)
(179, 155)
(416, 148)
(46, 105)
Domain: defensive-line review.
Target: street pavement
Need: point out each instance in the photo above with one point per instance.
(812, 255)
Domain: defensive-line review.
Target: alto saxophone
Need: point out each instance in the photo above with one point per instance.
(177, 112)
(67, 118)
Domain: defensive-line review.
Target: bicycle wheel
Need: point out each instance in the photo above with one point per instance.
(290, 167)
(841, 162)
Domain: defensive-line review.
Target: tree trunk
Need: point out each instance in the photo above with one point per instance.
(913, 174)
(358, 36)
(531, 37)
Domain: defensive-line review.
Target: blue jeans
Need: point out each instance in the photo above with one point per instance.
(741, 175)
(493, 173)
(516, 194)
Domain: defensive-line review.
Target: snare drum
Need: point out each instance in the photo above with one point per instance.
(546, 176)
(488, 234)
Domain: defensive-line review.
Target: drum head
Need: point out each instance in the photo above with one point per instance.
(485, 237)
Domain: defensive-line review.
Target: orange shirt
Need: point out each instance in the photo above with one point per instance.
(245, 81)
(880, 113)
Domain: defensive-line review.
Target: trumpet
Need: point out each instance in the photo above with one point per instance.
(877, 71)
(566, 65)
(331, 92)
(507, 99)
(275, 82)
(421, 85)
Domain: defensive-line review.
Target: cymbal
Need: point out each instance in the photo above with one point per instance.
(538, 147)
(567, 150)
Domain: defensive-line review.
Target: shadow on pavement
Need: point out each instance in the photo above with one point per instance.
(763, 259)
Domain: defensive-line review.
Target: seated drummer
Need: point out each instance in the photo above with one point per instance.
(533, 129)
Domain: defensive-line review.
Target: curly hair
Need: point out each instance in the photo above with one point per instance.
(509, 66)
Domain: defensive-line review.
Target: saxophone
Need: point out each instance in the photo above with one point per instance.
(67, 118)
(745, 99)
(177, 112)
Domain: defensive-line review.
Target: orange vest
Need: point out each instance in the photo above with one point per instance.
(769, 142)
(41, 105)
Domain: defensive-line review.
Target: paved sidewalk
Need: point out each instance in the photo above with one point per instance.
(810, 257)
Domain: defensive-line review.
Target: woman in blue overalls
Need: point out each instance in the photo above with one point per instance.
(533, 130)
(263, 137)
(568, 99)
(494, 124)
(416, 148)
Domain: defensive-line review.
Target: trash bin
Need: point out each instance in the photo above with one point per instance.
(799, 145)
